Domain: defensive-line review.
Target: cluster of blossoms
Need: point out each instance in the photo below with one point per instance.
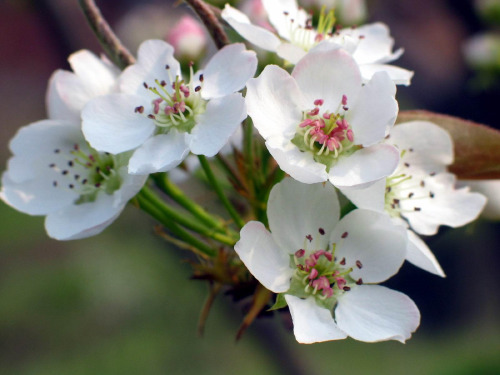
(327, 118)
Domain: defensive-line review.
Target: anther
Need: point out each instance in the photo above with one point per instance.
(345, 234)
(52, 165)
(422, 183)
(300, 253)
(309, 237)
(145, 85)
(346, 289)
(65, 172)
(411, 195)
(431, 194)
(139, 109)
(342, 262)
(54, 183)
(197, 88)
(71, 186)
(152, 117)
(359, 282)
(56, 151)
(321, 231)
(359, 264)
(417, 209)
(201, 78)
(407, 164)
(432, 174)
(70, 163)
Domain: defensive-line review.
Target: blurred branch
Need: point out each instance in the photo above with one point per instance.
(118, 53)
(209, 18)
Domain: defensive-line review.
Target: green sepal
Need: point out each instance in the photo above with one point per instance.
(280, 302)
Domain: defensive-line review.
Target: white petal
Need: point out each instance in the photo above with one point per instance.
(153, 57)
(421, 256)
(427, 146)
(66, 96)
(292, 53)
(449, 206)
(300, 165)
(159, 153)
(275, 103)
(365, 166)
(276, 10)
(83, 220)
(373, 240)
(110, 123)
(375, 45)
(375, 111)
(43, 137)
(34, 148)
(295, 210)
(68, 92)
(263, 257)
(216, 125)
(35, 196)
(398, 75)
(228, 71)
(328, 75)
(490, 189)
(371, 197)
(374, 313)
(312, 323)
(97, 75)
(254, 34)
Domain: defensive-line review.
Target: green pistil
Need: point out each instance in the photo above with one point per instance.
(101, 175)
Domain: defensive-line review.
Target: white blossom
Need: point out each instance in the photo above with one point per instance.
(371, 45)
(320, 123)
(421, 193)
(325, 267)
(53, 170)
(161, 116)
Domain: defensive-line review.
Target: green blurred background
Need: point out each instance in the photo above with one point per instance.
(122, 302)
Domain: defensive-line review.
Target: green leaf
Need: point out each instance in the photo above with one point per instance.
(477, 146)
(280, 302)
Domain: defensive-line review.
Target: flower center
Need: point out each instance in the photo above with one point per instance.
(175, 105)
(320, 274)
(404, 190)
(327, 135)
(86, 171)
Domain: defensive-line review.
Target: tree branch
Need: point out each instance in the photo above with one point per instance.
(118, 53)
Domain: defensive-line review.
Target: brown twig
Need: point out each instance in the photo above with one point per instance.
(118, 53)
(209, 19)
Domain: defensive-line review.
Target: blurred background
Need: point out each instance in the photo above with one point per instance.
(122, 302)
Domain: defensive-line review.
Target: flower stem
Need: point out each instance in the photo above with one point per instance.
(181, 219)
(214, 27)
(146, 205)
(220, 193)
(118, 53)
(174, 192)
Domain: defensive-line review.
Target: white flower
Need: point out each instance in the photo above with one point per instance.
(162, 116)
(54, 172)
(323, 265)
(371, 45)
(321, 123)
(421, 193)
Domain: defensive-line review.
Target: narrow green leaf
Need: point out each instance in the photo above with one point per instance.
(477, 146)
